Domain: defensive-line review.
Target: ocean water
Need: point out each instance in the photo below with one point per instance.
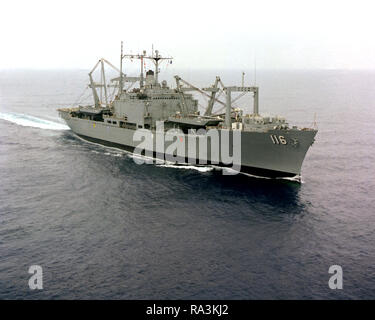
(103, 227)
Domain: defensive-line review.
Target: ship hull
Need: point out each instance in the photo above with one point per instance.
(261, 153)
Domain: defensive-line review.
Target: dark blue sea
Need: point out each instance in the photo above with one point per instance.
(103, 227)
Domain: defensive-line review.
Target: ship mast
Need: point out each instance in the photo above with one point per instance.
(142, 56)
(121, 78)
(157, 59)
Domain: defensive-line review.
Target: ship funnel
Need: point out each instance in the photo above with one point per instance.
(150, 79)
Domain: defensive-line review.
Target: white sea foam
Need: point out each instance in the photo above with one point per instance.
(167, 164)
(31, 121)
(296, 178)
(187, 167)
(112, 154)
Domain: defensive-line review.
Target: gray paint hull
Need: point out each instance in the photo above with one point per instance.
(260, 155)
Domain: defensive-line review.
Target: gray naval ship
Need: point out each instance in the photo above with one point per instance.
(251, 143)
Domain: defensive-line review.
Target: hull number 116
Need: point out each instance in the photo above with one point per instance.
(278, 139)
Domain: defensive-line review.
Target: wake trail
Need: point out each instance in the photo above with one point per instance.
(31, 121)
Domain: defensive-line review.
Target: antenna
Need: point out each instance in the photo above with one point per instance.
(142, 56)
(255, 69)
(315, 125)
(121, 79)
(156, 66)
